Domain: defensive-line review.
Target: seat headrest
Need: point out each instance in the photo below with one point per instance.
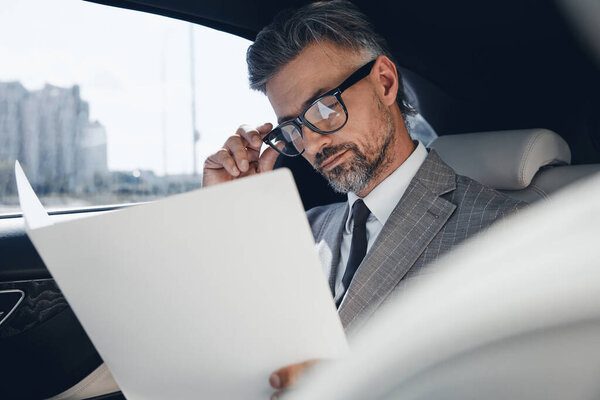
(504, 159)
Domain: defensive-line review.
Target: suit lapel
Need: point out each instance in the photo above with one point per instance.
(418, 217)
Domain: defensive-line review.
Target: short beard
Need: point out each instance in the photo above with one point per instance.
(356, 173)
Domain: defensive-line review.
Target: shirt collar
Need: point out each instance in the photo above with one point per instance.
(384, 197)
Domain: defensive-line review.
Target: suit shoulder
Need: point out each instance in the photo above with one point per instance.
(478, 198)
(318, 213)
(319, 216)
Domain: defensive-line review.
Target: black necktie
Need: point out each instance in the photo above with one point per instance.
(358, 248)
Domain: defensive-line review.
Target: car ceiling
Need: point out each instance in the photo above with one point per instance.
(475, 65)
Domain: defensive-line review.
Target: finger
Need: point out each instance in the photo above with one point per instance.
(288, 376)
(238, 149)
(252, 154)
(266, 162)
(254, 136)
(222, 159)
(265, 128)
(251, 136)
(253, 170)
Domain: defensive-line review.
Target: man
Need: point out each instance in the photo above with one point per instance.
(340, 104)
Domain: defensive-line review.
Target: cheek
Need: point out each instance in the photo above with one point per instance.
(362, 106)
(363, 124)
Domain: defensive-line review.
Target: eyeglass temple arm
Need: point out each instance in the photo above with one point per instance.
(359, 74)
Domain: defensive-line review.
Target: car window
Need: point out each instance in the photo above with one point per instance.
(420, 129)
(96, 102)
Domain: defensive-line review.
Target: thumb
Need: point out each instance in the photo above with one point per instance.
(267, 160)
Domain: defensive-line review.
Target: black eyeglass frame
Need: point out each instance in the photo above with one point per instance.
(356, 76)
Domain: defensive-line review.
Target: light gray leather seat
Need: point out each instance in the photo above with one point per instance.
(549, 180)
(528, 164)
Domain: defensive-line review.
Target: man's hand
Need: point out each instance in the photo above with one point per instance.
(286, 377)
(240, 156)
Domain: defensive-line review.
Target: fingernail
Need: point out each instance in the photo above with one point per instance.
(244, 165)
(236, 171)
(275, 381)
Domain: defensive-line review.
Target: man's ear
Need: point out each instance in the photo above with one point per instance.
(385, 78)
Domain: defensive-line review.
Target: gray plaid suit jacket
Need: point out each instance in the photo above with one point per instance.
(438, 210)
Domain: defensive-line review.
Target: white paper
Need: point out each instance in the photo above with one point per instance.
(201, 295)
(33, 212)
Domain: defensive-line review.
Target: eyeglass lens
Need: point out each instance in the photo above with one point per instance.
(288, 140)
(327, 115)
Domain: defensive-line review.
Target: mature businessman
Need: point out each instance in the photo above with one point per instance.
(340, 103)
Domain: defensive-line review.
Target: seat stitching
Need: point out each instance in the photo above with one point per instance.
(526, 154)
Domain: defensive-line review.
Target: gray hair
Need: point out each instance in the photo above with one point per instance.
(336, 21)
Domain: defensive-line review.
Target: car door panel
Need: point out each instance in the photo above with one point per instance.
(44, 348)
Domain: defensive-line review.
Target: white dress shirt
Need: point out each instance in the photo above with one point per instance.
(381, 201)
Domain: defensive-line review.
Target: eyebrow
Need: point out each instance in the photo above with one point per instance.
(308, 102)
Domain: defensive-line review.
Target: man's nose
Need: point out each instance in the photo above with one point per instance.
(314, 142)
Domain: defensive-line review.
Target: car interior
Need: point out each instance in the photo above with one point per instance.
(511, 88)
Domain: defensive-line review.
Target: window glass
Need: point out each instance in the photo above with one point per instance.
(96, 102)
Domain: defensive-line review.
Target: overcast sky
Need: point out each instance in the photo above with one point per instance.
(116, 57)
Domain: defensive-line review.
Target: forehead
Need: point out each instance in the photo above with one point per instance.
(318, 68)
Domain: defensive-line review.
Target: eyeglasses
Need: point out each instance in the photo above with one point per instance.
(325, 115)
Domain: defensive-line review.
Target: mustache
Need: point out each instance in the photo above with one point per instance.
(330, 151)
